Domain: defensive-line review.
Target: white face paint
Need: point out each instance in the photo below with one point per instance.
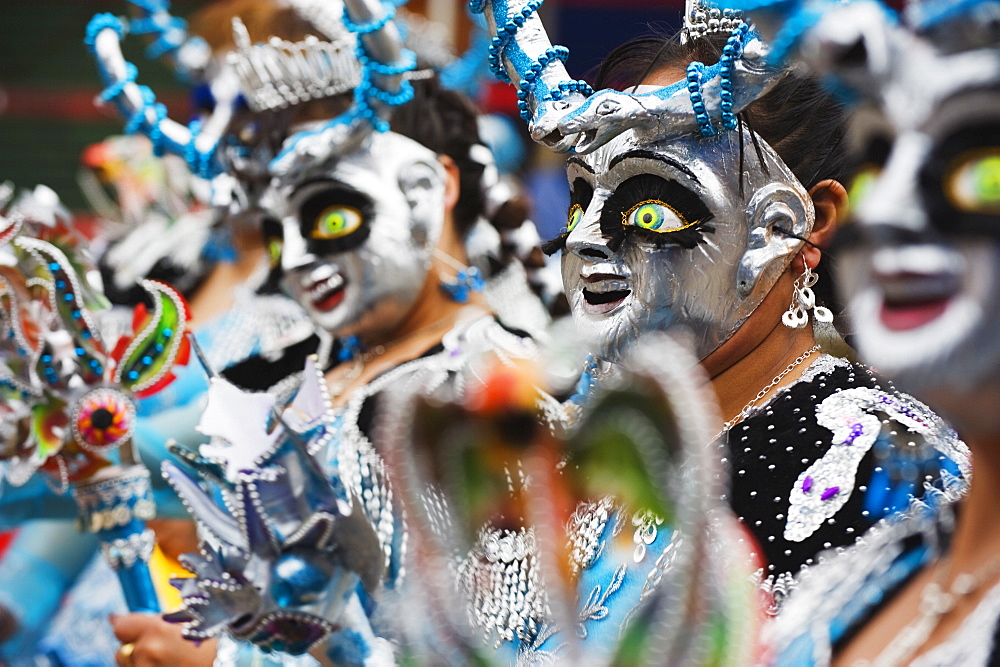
(359, 235)
(922, 275)
(660, 238)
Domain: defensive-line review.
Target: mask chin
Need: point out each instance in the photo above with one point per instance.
(946, 359)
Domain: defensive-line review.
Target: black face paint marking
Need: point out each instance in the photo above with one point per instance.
(650, 155)
(313, 207)
(581, 194)
(977, 143)
(648, 187)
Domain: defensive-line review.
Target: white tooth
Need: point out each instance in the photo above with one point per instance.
(607, 286)
(607, 268)
(334, 282)
(918, 259)
(321, 272)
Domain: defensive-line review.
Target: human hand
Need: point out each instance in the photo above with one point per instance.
(8, 624)
(149, 640)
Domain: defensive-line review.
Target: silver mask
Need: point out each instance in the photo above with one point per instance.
(359, 235)
(662, 238)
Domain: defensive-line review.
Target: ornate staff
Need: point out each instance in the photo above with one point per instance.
(70, 397)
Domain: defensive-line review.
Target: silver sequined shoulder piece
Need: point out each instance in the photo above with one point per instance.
(500, 577)
(259, 324)
(852, 416)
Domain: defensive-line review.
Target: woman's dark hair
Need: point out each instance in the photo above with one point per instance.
(797, 118)
(446, 122)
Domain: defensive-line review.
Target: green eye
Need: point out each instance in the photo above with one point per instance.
(336, 222)
(274, 251)
(656, 216)
(575, 215)
(862, 184)
(973, 181)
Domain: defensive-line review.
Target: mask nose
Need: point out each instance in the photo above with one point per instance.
(294, 250)
(895, 197)
(586, 240)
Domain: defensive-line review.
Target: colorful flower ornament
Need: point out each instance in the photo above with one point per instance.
(102, 420)
(56, 361)
(69, 398)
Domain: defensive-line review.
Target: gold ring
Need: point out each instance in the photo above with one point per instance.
(126, 652)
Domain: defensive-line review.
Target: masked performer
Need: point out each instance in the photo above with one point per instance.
(700, 201)
(918, 271)
(772, 196)
(371, 244)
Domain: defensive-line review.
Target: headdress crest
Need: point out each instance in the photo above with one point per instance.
(567, 115)
(278, 73)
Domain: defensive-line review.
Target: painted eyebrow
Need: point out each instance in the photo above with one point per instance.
(578, 161)
(649, 155)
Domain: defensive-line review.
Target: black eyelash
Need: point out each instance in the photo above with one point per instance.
(336, 195)
(646, 187)
(552, 246)
(581, 193)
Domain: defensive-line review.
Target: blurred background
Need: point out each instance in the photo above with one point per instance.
(48, 81)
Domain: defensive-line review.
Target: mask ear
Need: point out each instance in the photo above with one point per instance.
(422, 184)
(774, 206)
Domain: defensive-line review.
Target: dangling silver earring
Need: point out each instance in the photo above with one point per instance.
(803, 300)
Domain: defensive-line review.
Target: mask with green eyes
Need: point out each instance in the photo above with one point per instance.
(661, 236)
(920, 265)
(356, 242)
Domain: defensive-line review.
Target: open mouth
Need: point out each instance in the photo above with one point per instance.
(914, 297)
(605, 292)
(911, 301)
(326, 294)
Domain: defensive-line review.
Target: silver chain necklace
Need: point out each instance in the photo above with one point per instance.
(763, 392)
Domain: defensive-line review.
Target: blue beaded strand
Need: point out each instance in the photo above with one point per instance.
(367, 91)
(365, 28)
(694, 76)
(732, 51)
(526, 87)
(202, 164)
